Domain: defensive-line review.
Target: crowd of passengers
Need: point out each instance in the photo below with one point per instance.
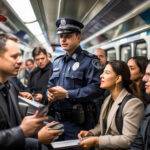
(105, 104)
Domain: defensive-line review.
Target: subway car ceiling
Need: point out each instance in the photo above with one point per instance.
(105, 21)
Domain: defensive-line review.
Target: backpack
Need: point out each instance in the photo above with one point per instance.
(119, 118)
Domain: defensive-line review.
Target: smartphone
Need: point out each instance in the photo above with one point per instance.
(43, 110)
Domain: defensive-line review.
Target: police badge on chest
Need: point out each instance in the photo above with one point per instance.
(75, 66)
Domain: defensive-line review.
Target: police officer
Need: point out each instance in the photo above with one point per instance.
(74, 82)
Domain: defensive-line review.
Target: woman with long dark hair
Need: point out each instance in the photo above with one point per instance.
(116, 79)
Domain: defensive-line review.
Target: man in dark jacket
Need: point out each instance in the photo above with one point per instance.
(142, 141)
(15, 132)
(39, 77)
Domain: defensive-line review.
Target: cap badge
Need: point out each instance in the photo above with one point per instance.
(62, 22)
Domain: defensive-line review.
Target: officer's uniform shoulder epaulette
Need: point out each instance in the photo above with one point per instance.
(94, 59)
(88, 54)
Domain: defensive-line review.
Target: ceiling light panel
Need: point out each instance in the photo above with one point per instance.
(24, 10)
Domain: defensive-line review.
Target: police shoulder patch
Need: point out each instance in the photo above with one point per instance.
(96, 63)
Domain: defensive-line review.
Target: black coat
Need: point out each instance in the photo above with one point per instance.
(142, 141)
(39, 79)
(11, 138)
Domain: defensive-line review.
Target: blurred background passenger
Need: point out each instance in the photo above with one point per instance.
(116, 79)
(102, 56)
(137, 66)
(39, 77)
(29, 67)
(142, 141)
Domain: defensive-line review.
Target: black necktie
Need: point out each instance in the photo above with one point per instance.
(4, 88)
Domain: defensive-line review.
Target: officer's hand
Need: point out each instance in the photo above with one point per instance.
(59, 92)
(26, 95)
(30, 124)
(46, 134)
(50, 96)
(38, 97)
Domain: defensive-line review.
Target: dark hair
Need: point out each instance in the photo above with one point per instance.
(3, 39)
(141, 62)
(37, 50)
(29, 60)
(121, 68)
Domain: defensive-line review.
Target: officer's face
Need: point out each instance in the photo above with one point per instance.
(146, 79)
(69, 42)
(10, 59)
(41, 60)
(109, 78)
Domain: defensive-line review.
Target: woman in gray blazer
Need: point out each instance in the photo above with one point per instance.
(116, 79)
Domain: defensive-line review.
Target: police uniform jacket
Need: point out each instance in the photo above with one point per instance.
(79, 74)
(11, 135)
(132, 115)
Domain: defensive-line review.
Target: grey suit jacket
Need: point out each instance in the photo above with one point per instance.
(132, 115)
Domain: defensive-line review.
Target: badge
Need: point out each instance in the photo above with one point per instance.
(75, 66)
(62, 22)
(96, 63)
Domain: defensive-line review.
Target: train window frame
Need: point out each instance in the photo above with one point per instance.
(142, 41)
(111, 50)
(120, 52)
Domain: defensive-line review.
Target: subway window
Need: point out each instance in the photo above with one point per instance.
(125, 52)
(141, 48)
(111, 54)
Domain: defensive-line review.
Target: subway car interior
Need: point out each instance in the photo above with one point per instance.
(51, 91)
(120, 27)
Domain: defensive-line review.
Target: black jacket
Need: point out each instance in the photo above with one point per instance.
(39, 79)
(11, 138)
(142, 141)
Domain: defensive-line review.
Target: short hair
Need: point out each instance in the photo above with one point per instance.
(141, 62)
(105, 52)
(37, 50)
(29, 60)
(121, 68)
(3, 39)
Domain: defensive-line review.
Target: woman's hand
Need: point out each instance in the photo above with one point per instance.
(84, 134)
(88, 142)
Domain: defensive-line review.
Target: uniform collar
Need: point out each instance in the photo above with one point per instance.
(74, 56)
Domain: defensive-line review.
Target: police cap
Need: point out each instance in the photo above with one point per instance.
(67, 25)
